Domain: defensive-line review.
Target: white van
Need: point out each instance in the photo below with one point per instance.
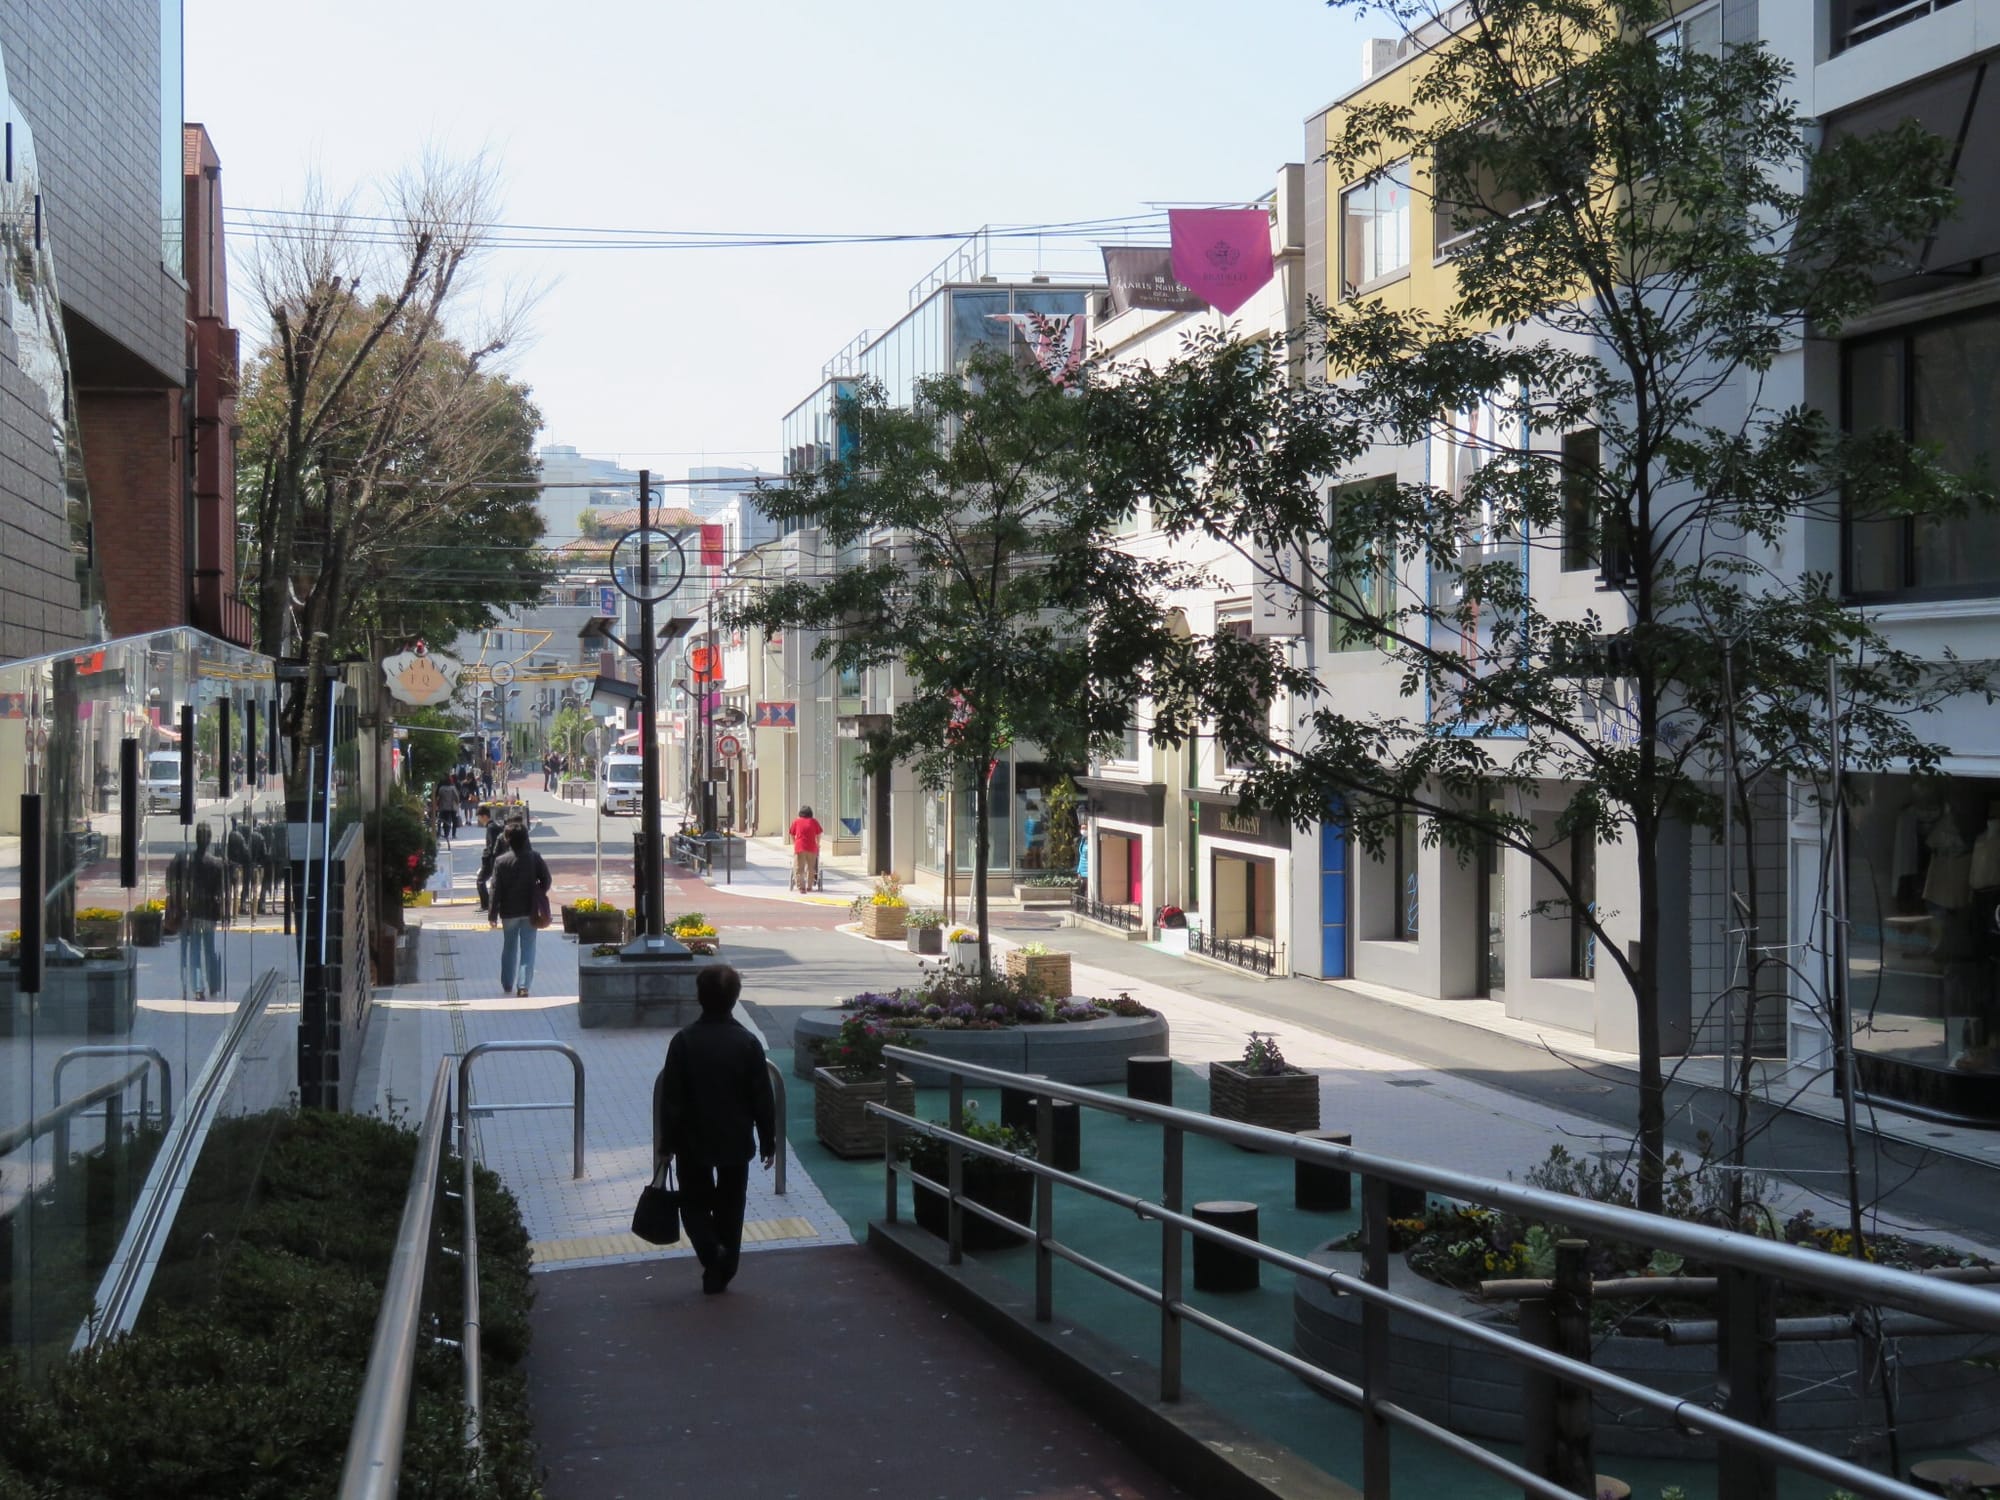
(619, 786)
(162, 788)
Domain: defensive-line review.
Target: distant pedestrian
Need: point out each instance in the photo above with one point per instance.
(492, 831)
(197, 883)
(710, 1100)
(549, 772)
(486, 782)
(520, 878)
(447, 805)
(805, 850)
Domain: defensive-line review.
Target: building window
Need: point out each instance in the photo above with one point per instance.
(1580, 542)
(1934, 384)
(173, 184)
(1468, 191)
(1700, 30)
(1858, 21)
(1409, 910)
(1583, 904)
(1375, 230)
(1369, 590)
(1232, 758)
(1126, 752)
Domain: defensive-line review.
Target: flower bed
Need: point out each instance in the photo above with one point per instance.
(996, 1024)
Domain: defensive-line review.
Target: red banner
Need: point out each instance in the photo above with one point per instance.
(1222, 255)
(711, 544)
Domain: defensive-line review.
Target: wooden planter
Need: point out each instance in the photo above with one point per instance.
(925, 939)
(594, 927)
(889, 923)
(147, 928)
(1045, 973)
(1005, 1190)
(1280, 1101)
(840, 1117)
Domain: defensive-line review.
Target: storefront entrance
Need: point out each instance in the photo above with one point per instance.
(1121, 869)
(1246, 896)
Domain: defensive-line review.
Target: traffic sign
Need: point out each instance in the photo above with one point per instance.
(607, 600)
(728, 747)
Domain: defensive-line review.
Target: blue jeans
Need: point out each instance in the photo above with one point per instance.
(200, 959)
(517, 947)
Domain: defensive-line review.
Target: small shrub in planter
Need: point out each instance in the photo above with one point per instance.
(1263, 1089)
(147, 923)
(996, 1185)
(849, 1079)
(1041, 970)
(925, 931)
(594, 922)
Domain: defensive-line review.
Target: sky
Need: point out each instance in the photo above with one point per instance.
(778, 116)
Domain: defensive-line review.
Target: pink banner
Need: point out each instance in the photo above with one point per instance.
(1222, 255)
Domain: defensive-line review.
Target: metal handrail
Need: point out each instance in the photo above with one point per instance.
(468, 1336)
(123, 1049)
(375, 1446)
(59, 1117)
(1765, 1261)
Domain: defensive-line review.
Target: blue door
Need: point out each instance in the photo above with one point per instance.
(1333, 895)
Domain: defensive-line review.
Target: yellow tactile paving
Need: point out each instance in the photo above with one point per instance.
(605, 1246)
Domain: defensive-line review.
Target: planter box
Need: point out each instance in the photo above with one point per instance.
(1072, 1052)
(965, 957)
(1280, 1101)
(1001, 1189)
(147, 928)
(840, 1117)
(1045, 973)
(95, 998)
(107, 934)
(926, 939)
(594, 927)
(888, 923)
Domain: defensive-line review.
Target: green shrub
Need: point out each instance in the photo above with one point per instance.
(241, 1378)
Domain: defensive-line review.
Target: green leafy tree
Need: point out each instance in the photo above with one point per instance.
(1639, 229)
(571, 732)
(989, 582)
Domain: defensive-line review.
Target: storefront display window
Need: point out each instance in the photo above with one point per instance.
(1923, 970)
(853, 789)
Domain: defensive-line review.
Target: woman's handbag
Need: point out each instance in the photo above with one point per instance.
(541, 917)
(657, 1219)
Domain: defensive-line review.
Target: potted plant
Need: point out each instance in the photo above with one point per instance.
(965, 950)
(594, 922)
(10, 946)
(883, 912)
(1002, 1187)
(1043, 970)
(696, 933)
(1263, 1089)
(848, 1079)
(147, 923)
(99, 927)
(925, 930)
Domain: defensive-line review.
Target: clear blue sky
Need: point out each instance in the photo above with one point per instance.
(775, 115)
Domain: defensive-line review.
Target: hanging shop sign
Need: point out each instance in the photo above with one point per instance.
(419, 675)
(1143, 276)
(1222, 255)
(777, 716)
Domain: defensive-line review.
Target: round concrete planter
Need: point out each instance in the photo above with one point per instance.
(1072, 1052)
(1942, 1399)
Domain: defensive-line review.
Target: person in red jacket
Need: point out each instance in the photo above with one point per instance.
(805, 850)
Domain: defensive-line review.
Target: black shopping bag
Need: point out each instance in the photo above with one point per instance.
(657, 1219)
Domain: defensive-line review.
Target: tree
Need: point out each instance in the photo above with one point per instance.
(1638, 229)
(375, 445)
(571, 732)
(989, 583)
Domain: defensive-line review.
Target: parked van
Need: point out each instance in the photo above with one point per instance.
(619, 787)
(162, 789)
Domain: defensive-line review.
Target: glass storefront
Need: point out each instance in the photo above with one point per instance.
(1017, 817)
(156, 926)
(1923, 892)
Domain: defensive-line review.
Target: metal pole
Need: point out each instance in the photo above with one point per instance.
(706, 719)
(654, 877)
(597, 849)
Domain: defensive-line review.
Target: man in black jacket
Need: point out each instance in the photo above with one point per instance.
(709, 1098)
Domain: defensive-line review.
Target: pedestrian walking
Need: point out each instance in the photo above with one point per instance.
(492, 831)
(805, 850)
(549, 772)
(712, 1111)
(447, 804)
(197, 881)
(520, 880)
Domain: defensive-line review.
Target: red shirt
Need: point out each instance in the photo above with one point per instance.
(805, 835)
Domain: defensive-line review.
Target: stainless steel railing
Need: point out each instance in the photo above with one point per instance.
(1756, 1265)
(374, 1460)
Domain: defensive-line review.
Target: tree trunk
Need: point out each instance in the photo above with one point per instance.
(1652, 1133)
(982, 851)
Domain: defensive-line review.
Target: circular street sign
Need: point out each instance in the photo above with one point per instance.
(664, 569)
(502, 672)
(729, 747)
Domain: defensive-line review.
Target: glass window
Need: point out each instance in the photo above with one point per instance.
(1375, 229)
(173, 185)
(1240, 628)
(1127, 752)
(1032, 781)
(1583, 883)
(1371, 590)
(971, 322)
(1937, 384)
(853, 789)
(1580, 549)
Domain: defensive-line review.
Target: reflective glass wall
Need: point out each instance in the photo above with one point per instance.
(164, 901)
